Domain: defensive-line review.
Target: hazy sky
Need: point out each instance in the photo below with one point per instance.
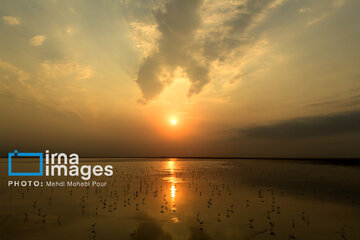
(241, 78)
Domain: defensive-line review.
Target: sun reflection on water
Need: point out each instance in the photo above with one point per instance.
(173, 191)
(171, 167)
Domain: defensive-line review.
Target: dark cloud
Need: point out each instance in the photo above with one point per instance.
(177, 46)
(343, 102)
(148, 79)
(309, 127)
(177, 25)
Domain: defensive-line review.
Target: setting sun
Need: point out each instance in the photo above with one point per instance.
(173, 121)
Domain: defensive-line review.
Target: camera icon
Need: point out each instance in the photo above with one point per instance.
(17, 154)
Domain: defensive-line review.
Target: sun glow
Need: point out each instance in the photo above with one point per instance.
(173, 121)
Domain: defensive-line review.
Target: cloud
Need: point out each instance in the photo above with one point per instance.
(64, 70)
(319, 18)
(193, 36)
(177, 25)
(10, 20)
(14, 84)
(309, 127)
(331, 9)
(144, 35)
(45, 90)
(342, 102)
(37, 40)
(16, 88)
(234, 33)
(148, 79)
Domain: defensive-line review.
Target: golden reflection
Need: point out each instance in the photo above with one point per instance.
(171, 178)
(171, 165)
(173, 191)
(175, 220)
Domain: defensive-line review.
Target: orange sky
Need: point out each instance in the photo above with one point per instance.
(241, 78)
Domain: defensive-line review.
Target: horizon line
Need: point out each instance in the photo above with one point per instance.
(228, 157)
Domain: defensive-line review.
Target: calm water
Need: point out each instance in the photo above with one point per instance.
(191, 199)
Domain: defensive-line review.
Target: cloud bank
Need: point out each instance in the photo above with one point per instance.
(309, 127)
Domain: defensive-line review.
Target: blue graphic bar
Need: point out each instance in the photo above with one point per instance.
(16, 154)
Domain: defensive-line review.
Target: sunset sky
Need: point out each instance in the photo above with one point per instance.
(240, 78)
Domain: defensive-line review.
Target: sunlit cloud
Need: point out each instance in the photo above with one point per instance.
(144, 36)
(10, 20)
(37, 40)
(206, 32)
(65, 70)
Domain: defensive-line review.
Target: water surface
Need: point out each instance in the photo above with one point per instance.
(188, 200)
